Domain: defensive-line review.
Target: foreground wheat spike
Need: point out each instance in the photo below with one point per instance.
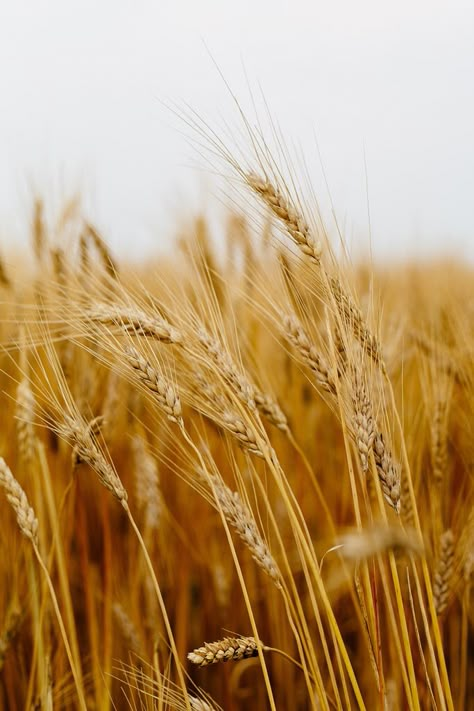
(297, 336)
(228, 649)
(229, 371)
(351, 314)
(241, 519)
(271, 410)
(135, 322)
(85, 449)
(246, 391)
(363, 421)
(242, 432)
(294, 222)
(444, 572)
(164, 392)
(25, 515)
(388, 472)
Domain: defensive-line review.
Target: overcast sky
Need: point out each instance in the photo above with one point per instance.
(82, 86)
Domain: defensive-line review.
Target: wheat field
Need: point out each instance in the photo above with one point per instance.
(240, 477)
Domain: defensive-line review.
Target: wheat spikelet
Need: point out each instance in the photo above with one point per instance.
(297, 336)
(444, 572)
(85, 449)
(378, 539)
(241, 519)
(165, 394)
(439, 444)
(388, 472)
(25, 515)
(38, 230)
(25, 412)
(406, 505)
(242, 432)
(351, 313)
(198, 704)
(135, 322)
(271, 410)
(127, 627)
(228, 649)
(147, 483)
(341, 351)
(293, 221)
(227, 368)
(102, 249)
(363, 421)
(246, 391)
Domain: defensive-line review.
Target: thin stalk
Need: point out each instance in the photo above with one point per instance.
(54, 600)
(161, 603)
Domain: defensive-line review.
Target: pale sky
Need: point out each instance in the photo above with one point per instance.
(82, 87)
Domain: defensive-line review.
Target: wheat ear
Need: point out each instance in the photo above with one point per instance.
(363, 420)
(290, 217)
(388, 472)
(444, 572)
(225, 650)
(135, 322)
(163, 391)
(294, 332)
(241, 519)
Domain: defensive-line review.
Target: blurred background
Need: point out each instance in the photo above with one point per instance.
(385, 89)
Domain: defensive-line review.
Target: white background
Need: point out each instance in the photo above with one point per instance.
(82, 86)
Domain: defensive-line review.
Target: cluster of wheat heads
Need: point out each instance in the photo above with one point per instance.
(254, 455)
